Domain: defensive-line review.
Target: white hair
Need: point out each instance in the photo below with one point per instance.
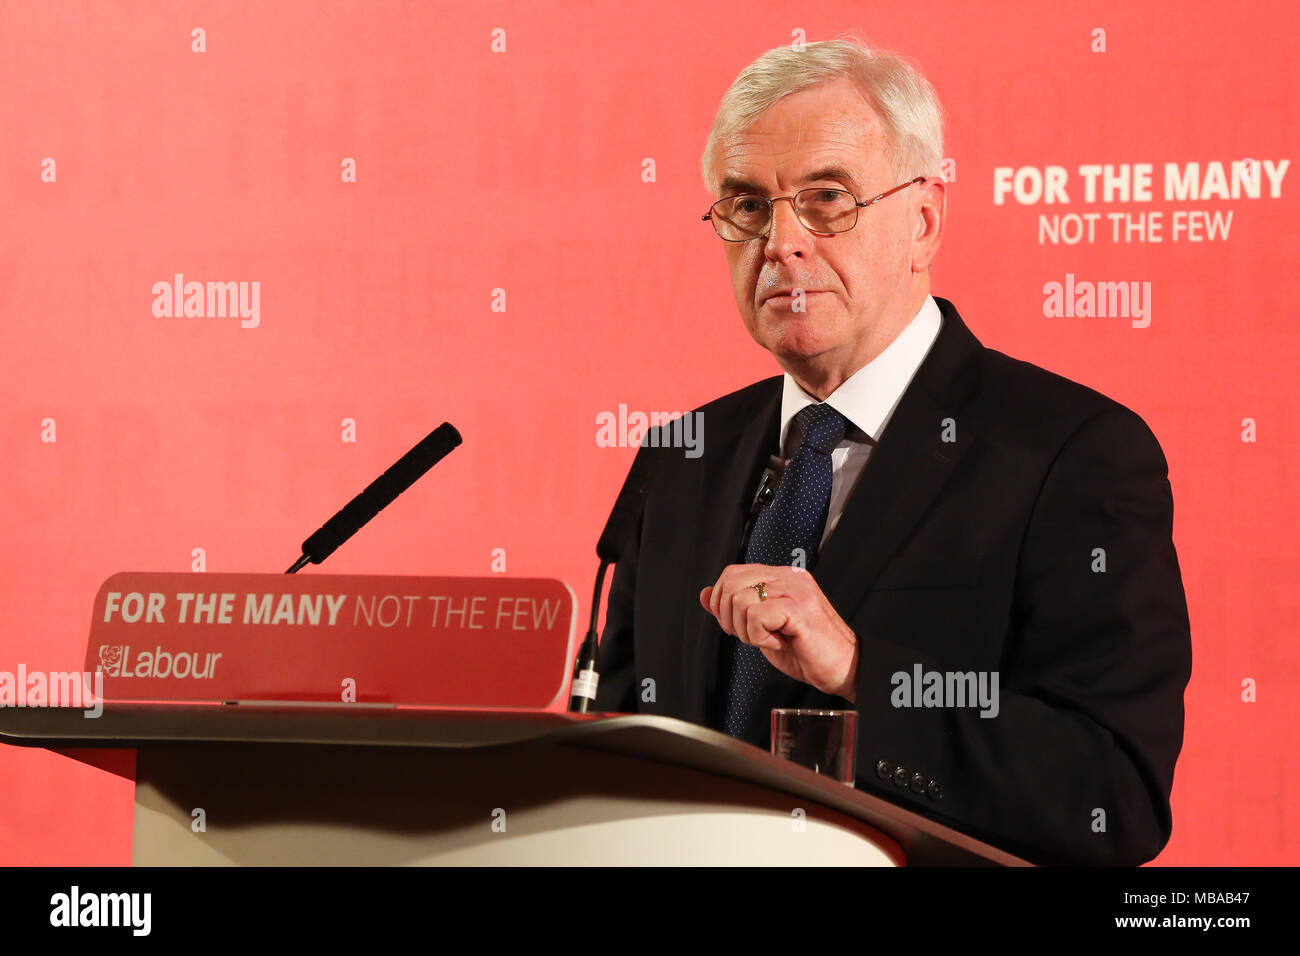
(901, 95)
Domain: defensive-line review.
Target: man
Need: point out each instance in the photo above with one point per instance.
(941, 507)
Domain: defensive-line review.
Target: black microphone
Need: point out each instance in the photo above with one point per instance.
(612, 546)
(378, 495)
(762, 498)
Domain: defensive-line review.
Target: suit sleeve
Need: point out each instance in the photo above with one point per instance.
(1077, 765)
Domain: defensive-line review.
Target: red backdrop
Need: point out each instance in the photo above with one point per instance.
(130, 156)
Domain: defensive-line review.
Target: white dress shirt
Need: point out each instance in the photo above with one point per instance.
(867, 398)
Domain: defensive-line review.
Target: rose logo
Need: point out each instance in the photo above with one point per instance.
(110, 659)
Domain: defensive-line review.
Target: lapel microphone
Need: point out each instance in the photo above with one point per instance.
(762, 498)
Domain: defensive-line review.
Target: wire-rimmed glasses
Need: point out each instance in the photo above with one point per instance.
(821, 209)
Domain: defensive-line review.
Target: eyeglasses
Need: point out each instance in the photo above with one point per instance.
(821, 210)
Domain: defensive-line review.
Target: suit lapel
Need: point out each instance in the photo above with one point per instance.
(907, 468)
(733, 464)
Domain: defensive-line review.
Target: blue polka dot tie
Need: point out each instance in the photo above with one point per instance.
(789, 528)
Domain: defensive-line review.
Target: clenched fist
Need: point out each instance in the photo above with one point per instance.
(796, 628)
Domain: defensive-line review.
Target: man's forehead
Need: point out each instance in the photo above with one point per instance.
(830, 132)
(743, 179)
(749, 169)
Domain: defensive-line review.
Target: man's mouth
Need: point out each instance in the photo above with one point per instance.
(785, 298)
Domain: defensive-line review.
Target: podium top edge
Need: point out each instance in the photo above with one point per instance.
(647, 736)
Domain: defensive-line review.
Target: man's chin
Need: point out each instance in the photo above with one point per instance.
(801, 353)
(804, 336)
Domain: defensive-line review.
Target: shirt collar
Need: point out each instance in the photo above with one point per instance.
(868, 397)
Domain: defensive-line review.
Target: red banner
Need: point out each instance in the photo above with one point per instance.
(447, 642)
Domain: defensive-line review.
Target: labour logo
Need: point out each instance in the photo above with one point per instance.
(110, 659)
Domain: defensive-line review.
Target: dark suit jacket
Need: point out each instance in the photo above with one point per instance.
(979, 553)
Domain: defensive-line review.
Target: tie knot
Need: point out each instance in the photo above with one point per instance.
(822, 426)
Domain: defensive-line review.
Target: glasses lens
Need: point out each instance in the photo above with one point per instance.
(741, 217)
(822, 210)
(826, 210)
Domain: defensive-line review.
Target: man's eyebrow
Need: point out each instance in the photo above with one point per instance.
(735, 184)
(831, 172)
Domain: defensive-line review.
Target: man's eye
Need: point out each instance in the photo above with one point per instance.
(749, 207)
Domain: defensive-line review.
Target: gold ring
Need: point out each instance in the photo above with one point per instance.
(761, 588)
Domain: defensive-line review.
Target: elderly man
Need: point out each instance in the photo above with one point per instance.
(940, 508)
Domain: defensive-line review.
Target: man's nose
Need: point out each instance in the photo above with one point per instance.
(786, 234)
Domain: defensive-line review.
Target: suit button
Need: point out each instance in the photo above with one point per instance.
(900, 777)
(884, 770)
(933, 791)
(918, 783)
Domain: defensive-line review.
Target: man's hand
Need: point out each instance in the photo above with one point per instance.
(796, 628)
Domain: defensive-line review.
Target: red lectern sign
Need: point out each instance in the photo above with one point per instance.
(443, 642)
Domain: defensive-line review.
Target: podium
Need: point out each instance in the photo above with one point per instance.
(228, 687)
(356, 785)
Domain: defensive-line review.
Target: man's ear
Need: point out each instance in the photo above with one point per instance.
(930, 215)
